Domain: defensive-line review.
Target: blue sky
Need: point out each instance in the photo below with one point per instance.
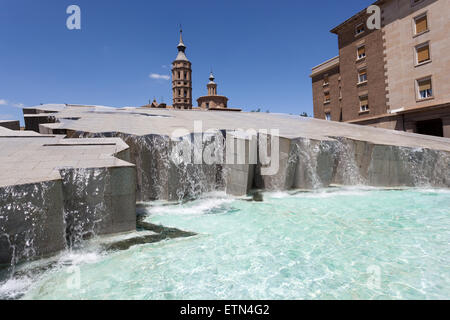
(261, 51)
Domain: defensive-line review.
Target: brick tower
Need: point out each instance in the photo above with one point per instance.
(182, 78)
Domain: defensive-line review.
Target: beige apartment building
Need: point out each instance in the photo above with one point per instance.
(396, 77)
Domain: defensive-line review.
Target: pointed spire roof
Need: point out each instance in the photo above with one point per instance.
(181, 48)
(181, 45)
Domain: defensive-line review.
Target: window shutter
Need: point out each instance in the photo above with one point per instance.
(425, 85)
(364, 100)
(361, 51)
(423, 54)
(421, 24)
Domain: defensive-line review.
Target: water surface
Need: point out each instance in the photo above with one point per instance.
(330, 244)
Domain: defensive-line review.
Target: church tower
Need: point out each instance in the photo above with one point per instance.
(212, 86)
(182, 78)
(212, 101)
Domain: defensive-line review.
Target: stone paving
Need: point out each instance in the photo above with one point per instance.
(29, 157)
(144, 121)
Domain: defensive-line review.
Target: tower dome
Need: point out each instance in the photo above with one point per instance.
(212, 101)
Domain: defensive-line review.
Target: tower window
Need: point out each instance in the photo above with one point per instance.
(359, 29)
(421, 24)
(362, 76)
(425, 88)
(423, 53)
(179, 75)
(364, 104)
(327, 97)
(361, 52)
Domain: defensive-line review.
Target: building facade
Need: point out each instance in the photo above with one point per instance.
(395, 77)
(182, 78)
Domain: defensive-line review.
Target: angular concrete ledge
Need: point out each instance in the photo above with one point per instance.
(56, 191)
(10, 124)
(31, 221)
(313, 153)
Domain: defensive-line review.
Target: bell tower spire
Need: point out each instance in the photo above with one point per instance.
(181, 46)
(212, 86)
(182, 78)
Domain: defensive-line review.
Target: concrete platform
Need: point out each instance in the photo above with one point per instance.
(55, 190)
(142, 122)
(313, 153)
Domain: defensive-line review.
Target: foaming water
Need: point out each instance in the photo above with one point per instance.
(337, 243)
(208, 203)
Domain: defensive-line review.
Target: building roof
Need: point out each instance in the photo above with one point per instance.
(181, 48)
(325, 66)
(181, 56)
(355, 16)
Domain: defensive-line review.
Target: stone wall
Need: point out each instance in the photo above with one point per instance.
(31, 221)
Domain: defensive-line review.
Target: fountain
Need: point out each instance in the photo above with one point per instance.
(120, 157)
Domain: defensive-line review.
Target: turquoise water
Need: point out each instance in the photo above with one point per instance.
(329, 244)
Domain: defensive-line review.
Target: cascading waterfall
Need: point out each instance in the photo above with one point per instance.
(26, 227)
(196, 164)
(150, 155)
(425, 167)
(84, 205)
(304, 155)
(347, 170)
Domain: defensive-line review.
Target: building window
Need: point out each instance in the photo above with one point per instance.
(179, 75)
(421, 24)
(327, 116)
(423, 53)
(361, 52)
(414, 2)
(425, 88)
(359, 29)
(327, 98)
(207, 105)
(363, 103)
(185, 93)
(326, 80)
(362, 76)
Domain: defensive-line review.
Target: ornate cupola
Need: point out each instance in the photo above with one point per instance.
(212, 86)
(182, 78)
(212, 100)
